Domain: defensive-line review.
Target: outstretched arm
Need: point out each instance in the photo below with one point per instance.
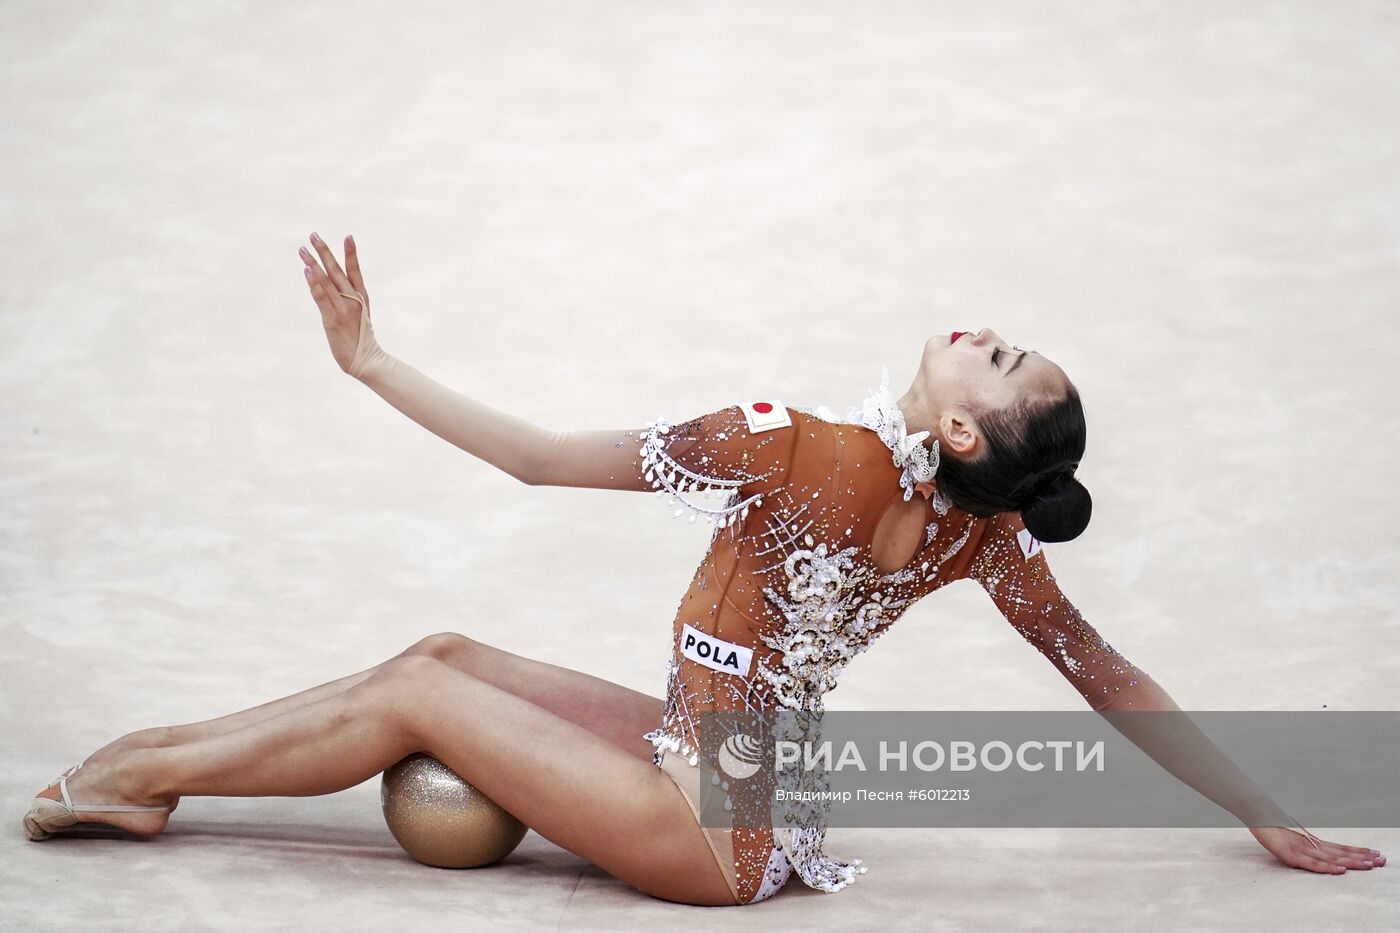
(715, 451)
(526, 451)
(1026, 593)
(711, 452)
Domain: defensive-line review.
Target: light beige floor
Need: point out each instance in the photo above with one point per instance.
(591, 215)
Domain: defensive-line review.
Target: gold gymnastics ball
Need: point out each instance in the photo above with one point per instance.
(441, 820)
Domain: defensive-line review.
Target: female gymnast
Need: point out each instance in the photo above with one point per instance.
(819, 547)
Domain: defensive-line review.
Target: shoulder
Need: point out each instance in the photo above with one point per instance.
(1010, 527)
(1004, 545)
(751, 416)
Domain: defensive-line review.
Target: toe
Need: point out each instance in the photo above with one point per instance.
(34, 829)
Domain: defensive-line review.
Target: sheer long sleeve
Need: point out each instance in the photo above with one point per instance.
(509, 443)
(735, 449)
(1011, 566)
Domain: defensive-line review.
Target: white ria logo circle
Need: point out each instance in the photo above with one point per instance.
(740, 756)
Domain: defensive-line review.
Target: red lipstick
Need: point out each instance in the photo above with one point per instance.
(956, 334)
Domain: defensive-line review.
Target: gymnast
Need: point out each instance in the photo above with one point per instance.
(830, 528)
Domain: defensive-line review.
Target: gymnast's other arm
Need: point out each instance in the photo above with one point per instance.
(1026, 593)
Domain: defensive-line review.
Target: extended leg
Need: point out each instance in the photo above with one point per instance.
(610, 710)
(571, 786)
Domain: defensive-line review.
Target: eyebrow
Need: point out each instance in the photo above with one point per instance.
(1015, 364)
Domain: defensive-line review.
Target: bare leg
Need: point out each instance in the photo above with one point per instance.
(161, 736)
(568, 784)
(609, 710)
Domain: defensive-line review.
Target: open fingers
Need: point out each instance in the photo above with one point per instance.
(307, 258)
(333, 271)
(1358, 852)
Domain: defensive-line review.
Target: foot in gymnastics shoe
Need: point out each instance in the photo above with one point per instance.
(54, 811)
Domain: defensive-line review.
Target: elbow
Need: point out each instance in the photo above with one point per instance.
(1111, 704)
(536, 470)
(539, 472)
(1114, 696)
(1138, 692)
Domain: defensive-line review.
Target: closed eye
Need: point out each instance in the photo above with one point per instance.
(996, 352)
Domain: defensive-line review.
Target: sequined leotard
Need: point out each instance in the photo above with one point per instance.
(814, 555)
(790, 575)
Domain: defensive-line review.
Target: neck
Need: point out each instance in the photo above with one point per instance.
(918, 412)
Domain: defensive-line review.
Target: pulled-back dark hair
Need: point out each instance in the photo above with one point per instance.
(1033, 447)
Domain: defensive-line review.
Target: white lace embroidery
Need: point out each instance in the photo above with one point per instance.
(816, 869)
(828, 616)
(881, 414)
(670, 479)
(828, 621)
(677, 730)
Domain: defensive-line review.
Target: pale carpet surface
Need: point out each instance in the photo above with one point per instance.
(594, 214)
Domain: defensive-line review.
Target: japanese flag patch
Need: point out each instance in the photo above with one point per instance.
(765, 415)
(1029, 543)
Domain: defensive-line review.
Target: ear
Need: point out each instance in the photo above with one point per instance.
(958, 435)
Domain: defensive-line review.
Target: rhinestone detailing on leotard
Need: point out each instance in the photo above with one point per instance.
(672, 479)
(795, 585)
(829, 617)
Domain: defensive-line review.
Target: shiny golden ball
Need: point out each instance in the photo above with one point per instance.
(441, 820)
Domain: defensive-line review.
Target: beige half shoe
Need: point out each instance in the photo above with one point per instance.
(50, 817)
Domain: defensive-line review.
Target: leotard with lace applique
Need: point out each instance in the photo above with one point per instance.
(796, 578)
(790, 575)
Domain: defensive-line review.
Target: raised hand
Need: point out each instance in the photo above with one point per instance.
(1294, 849)
(344, 305)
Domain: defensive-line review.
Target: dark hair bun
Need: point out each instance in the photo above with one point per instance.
(1059, 510)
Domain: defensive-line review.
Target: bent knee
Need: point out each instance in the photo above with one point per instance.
(450, 647)
(403, 689)
(407, 668)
